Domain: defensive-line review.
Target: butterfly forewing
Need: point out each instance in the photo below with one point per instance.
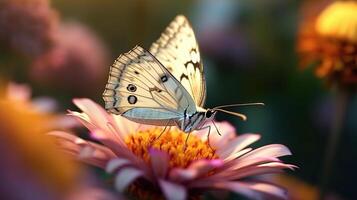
(178, 51)
(141, 88)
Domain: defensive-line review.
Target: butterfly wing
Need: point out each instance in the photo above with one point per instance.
(142, 89)
(177, 50)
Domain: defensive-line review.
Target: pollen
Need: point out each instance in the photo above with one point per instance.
(171, 141)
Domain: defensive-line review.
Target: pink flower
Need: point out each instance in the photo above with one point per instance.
(76, 60)
(28, 26)
(150, 167)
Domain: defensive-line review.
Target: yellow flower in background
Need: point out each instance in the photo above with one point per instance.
(339, 21)
(297, 188)
(30, 161)
(329, 38)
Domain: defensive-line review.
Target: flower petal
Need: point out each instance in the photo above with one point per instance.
(235, 145)
(230, 163)
(127, 127)
(159, 162)
(114, 164)
(114, 126)
(88, 152)
(253, 190)
(97, 115)
(173, 191)
(226, 130)
(196, 169)
(241, 163)
(273, 150)
(124, 152)
(125, 177)
(254, 170)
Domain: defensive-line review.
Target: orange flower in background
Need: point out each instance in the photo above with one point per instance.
(297, 188)
(32, 167)
(151, 168)
(328, 37)
(30, 160)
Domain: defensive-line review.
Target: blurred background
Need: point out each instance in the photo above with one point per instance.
(62, 49)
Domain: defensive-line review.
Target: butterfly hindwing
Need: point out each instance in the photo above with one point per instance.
(142, 89)
(178, 51)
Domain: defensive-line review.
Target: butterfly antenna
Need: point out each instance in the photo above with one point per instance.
(243, 117)
(239, 104)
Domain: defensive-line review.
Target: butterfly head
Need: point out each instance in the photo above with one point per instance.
(210, 113)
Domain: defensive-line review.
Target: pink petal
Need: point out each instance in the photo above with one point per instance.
(98, 132)
(97, 115)
(125, 177)
(241, 163)
(195, 170)
(101, 118)
(230, 163)
(269, 189)
(254, 170)
(253, 190)
(127, 127)
(159, 162)
(92, 193)
(89, 152)
(124, 152)
(273, 150)
(227, 152)
(86, 152)
(227, 132)
(18, 92)
(114, 164)
(173, 191)
(104, 129)
(279, 165)
(82, 118)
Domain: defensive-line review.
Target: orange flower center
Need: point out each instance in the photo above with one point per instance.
(171, 141)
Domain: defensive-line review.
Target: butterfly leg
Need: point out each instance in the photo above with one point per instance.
(162, 132)
(185, 145)
(138, 128)
(216, 128)
(209, 133)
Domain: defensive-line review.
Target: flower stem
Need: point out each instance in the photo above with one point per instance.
(341, 102)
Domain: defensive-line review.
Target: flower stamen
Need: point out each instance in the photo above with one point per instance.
(181, 152)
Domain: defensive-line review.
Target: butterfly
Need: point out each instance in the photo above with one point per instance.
(164, 86)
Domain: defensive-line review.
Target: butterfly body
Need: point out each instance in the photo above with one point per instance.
(195, 121)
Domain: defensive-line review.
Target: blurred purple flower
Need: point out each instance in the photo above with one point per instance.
(27, 26)
(216, 36)
(229, 45)
(77, 60)
(322, 114)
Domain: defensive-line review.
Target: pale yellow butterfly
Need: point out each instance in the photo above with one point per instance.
(164, 86)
